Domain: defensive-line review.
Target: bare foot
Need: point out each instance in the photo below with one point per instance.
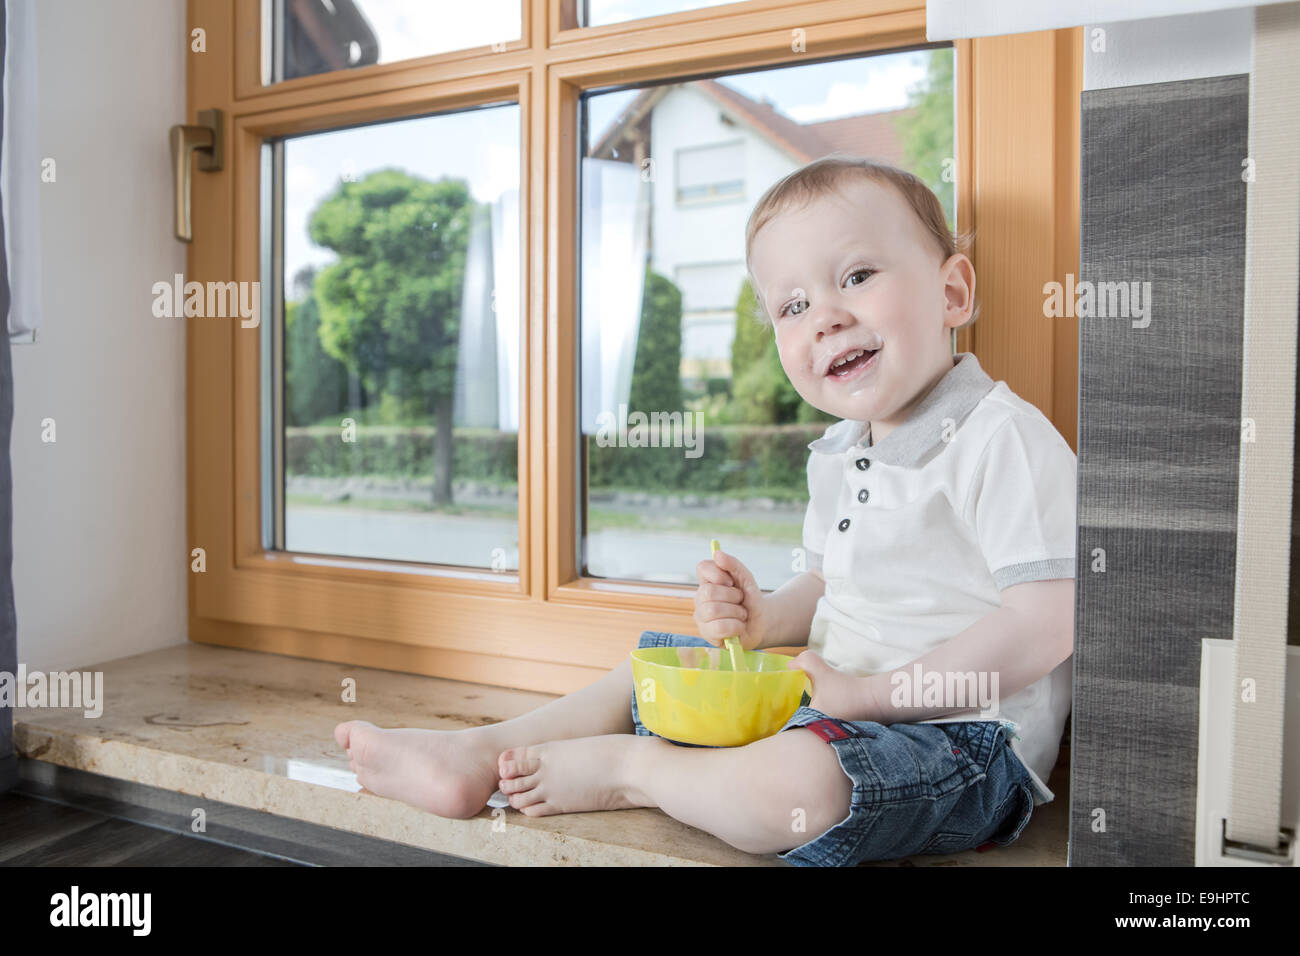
(572, 776)
(448, 772)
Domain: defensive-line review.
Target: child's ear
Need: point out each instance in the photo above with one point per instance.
(958, 275)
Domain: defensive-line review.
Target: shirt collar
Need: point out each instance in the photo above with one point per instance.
(953, 397)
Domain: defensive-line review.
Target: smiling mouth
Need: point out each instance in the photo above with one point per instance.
(845, 369)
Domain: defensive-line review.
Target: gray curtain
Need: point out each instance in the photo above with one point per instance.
(1159, 446)
(8, 622)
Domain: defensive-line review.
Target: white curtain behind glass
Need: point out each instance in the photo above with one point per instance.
(487, 361)
(615, 240)
(21, 163)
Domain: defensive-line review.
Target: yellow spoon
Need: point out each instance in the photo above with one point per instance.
(733, 643)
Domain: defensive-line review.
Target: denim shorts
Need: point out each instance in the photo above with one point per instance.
(917, 788)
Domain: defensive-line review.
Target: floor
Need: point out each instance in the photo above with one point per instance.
(37, 832)
(221, 728)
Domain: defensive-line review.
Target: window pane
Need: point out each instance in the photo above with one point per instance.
(691, 430)
(400, 371)
(305, 37)
(595, 13)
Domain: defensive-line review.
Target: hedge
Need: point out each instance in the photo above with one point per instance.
(735, 458)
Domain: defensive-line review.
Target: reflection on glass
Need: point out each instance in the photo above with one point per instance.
(691, 429)
(595, 13)
(401, 340)
(306, 37)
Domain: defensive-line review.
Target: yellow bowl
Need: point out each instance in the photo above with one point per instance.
(691, 694)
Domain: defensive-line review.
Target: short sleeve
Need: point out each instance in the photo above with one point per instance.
(1022, 503)
(823, 490)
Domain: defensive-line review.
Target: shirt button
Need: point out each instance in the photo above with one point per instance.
(863, 464)
(862, 495)
(844, 524)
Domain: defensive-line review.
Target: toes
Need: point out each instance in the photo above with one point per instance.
(518, 762)
(517, 784)
(343, 732)
(361, 742)
(521, 801)
(542, 809)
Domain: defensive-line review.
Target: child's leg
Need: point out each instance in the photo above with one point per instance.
(772, 795)
(453, 773)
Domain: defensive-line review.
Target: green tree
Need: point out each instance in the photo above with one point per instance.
(762, 393)
(315, 382)
(927, 130)
(390, 307)
(657, 369)
(752, 331)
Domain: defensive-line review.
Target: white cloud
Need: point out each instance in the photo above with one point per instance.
(407, 30)
(886, 89)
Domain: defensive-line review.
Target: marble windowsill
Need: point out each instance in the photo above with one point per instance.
(256, 730)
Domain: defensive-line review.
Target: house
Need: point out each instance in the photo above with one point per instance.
(712, 151)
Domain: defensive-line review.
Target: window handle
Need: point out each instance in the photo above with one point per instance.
(205, 139)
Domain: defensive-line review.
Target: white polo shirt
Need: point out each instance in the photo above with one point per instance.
(917, 535)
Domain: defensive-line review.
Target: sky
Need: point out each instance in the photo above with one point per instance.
(807, 93)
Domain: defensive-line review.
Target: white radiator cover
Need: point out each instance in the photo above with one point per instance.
(963, 19)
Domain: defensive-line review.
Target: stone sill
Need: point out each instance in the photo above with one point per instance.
(256, 730)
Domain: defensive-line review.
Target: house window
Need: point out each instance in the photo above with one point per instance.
(708, 286)
(708, 319)
(711, 173)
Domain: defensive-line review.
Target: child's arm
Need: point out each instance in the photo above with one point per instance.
(1022, 641)
(788, 611)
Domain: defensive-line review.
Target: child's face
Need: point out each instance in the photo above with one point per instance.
(857, 270)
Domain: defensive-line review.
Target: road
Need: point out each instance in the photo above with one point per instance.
(474, 541)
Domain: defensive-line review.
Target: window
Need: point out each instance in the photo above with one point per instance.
(306, 37)
(578, 281)
(669, 332)
(709, 286)
(711, 172)
(398, 387)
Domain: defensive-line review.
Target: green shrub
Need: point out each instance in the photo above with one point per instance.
(767, 460)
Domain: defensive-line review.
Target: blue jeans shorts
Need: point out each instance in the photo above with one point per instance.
(917, 788)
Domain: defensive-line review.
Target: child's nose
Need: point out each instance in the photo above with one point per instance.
(831, 315)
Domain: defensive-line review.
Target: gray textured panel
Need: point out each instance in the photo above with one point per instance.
(1159, 439)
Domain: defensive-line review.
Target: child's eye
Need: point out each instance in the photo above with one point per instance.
(785, 309)
(860, 272)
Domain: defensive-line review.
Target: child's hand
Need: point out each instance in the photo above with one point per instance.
(837, 693)
(728, 602)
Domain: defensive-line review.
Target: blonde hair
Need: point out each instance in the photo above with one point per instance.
(826, 176)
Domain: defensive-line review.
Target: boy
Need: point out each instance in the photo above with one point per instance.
(940, 540)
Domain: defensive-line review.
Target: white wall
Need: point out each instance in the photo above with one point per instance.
(99, 515)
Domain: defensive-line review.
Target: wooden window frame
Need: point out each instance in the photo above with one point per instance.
(548, 628)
